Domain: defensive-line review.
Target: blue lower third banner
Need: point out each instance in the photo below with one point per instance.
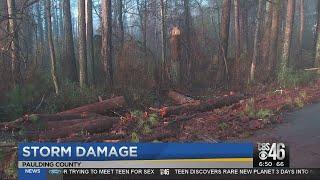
(40, 160)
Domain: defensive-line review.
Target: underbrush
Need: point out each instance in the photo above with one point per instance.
(293, 78)
(70, 97)
(37, 96)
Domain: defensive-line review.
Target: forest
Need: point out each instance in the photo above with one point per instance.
(154, 70)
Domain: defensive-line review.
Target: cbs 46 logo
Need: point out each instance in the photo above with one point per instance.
(276, 151)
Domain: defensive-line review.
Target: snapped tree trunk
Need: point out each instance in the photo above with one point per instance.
(175, 42)
(82, 44)
(52, 50)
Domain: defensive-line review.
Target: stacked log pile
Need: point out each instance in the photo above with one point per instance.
(185, 118)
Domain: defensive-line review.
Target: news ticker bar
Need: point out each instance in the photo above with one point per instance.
(169, 163)
(63, 174)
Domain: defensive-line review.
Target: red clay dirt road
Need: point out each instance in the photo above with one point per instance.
(301, 131)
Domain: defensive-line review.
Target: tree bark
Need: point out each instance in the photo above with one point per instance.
(120, 22)
(300, 36)
(198, 106)
(98, 107)
(163, 64)
(60, 117)
(223, 72)
(237, 42)
(70, 60)
(256, 42)
(14, 45)
(89, 37)
(317, 57)
(82, 44)
(52, 51)
(106, 47)
(189, 59)
(102, 124)
(287, 40)
(273, 45)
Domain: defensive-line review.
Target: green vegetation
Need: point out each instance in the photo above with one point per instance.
(263, 113)
(293, 78)
(144, 124)
(259, 114)
(26, 99)
(134, 137)
(223, 125)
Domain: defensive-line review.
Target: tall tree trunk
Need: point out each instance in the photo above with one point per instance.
(89, 37)
(82, 44)
(238, 42)
(243, 23)
(265, 39)
(106, 47)
(14, 48)
(189, 59)
(256, 42)
(317, 60)
(70, 59)
(52, 51)
(145, 19)
(163, 42)
(142, 11)
(223, 72)
(39, 35)
(120, 22)
(3, 24)
(287, 40)
(273, 45)
(61, 21)
(301, 31)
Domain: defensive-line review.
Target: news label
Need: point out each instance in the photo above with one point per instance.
(271, 155)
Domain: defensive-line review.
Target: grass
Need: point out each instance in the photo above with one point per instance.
(294, 78)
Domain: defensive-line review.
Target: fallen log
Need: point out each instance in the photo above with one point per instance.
(98, 107)
(179, 98)
(12, 125)
(92, 138)
(61, 117)
(200, 106)
(41, 120)
(101, 124)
